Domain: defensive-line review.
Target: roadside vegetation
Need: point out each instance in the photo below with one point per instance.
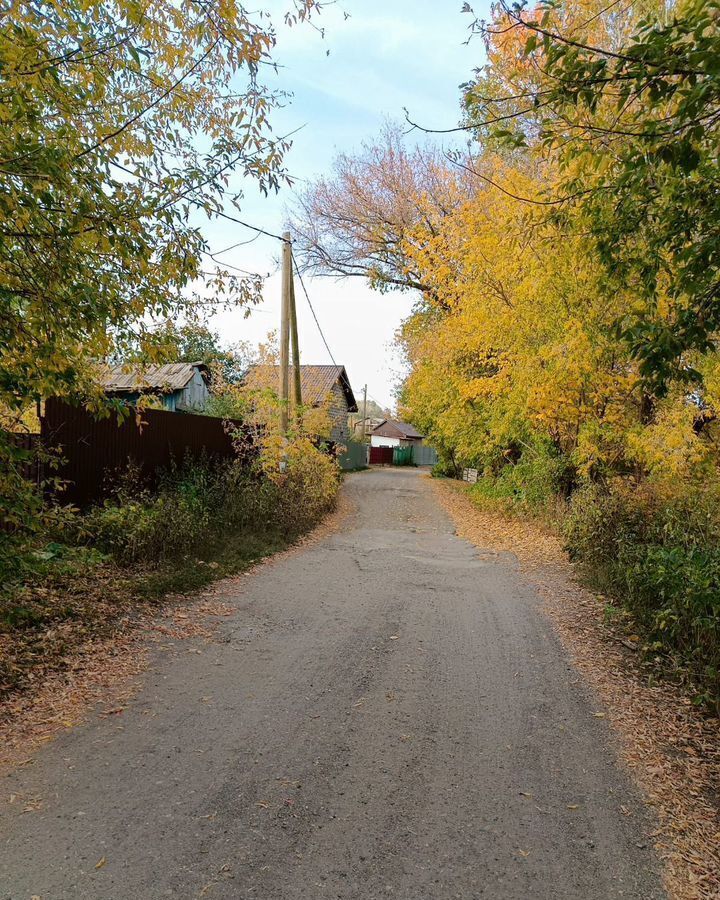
(565, 342)
(122, 125)
(70, 576)
(83, 575)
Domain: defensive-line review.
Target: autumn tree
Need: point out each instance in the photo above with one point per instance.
(356, 222)
(119, 120)
(627, 101)
(194, 341)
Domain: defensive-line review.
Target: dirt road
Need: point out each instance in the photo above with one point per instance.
(387, 715)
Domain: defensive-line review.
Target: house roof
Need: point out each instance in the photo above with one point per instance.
(393, 428)
(132, 377)
(316, 382)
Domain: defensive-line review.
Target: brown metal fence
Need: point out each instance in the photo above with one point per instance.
(95, 450)
(31, 468)
(381, 456)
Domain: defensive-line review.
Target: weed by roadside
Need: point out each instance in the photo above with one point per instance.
(205, 520)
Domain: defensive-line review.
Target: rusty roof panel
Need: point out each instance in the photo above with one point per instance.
(132, 377)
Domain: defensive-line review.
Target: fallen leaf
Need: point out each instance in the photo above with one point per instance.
(572, 805)
(394, 637)
(100, 863)
(599, 715)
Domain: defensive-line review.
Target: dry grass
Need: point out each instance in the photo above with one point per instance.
(670, 748)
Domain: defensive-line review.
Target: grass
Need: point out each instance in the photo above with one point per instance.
(219, 560)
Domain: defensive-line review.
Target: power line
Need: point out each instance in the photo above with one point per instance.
(198, 203)
(307, 297)
(224, 215)
(224, 265)
(233, 246)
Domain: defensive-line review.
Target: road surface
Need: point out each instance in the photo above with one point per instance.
(386, 715)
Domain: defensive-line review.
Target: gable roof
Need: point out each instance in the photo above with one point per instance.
(127, 378)
(316, 382)
(393, 428)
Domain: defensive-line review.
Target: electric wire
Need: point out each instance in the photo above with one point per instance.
(312, 310)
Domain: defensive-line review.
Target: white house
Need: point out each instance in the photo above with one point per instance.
(391, 433)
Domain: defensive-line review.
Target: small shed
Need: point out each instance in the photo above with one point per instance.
(181, 387)
(319, 385)
(392, 433)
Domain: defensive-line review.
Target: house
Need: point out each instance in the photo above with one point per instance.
(320, 385)
(181, 387)
(391, 433)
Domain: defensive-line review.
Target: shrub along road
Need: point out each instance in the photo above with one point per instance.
(387, 714)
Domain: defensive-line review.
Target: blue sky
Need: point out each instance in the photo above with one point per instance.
(385, 56)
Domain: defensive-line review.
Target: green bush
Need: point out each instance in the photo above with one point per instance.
(137, 524)
(660, 557)
(201, 502)
(533, 483)
(443, 469)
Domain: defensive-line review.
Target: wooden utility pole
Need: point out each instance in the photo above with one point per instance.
(287, 281)
(364, 418)
(297, 385)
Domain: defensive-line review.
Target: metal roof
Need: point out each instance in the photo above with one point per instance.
(393, 428)
(130, 377)
(316, 382)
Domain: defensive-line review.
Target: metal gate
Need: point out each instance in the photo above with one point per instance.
(381, 456)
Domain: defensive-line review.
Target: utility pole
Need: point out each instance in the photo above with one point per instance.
(297, 385)
(287, 281)
(364, 418)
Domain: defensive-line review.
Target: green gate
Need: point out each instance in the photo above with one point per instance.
(402, 456)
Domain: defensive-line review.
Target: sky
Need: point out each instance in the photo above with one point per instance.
(384, 56)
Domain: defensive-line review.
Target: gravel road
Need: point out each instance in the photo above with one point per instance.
(386, 715)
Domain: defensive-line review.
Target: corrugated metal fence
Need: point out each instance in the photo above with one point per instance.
(355, 456)
(96, 450)
(31, 467)
(402, 456)
(424, 455)
(415, 454)
(381, 456)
